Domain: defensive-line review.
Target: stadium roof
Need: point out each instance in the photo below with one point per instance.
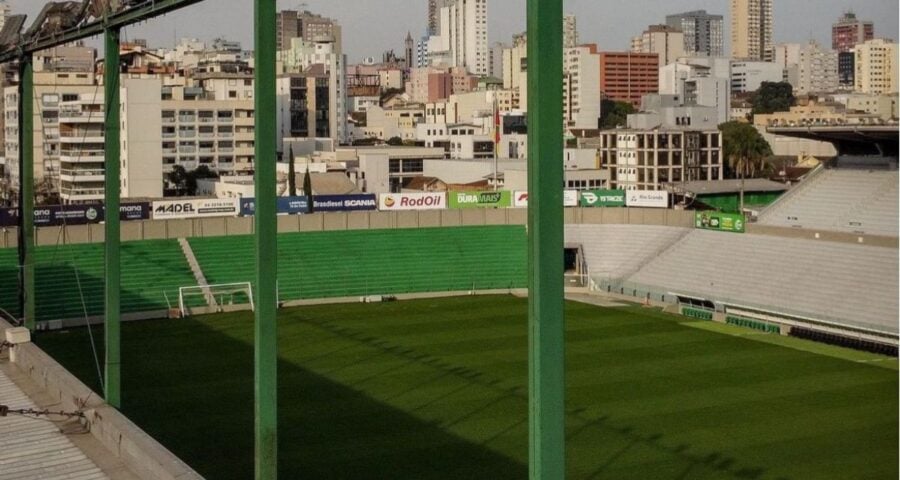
(712, 187)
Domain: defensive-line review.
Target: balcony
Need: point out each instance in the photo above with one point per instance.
(75, 194)
(81, 137)
(81, 117)
(80, 156)
(187, 118)
(79, 175)
(186, 150)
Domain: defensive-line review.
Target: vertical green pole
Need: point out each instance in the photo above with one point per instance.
(546, 361)
(112, 390)
(26, 190)
(265, 346)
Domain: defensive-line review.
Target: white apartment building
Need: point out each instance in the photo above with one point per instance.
(649, 159)
(50, 89)
(581, 88)
(515, 69)
(197, 130)
(876, 67)
(699, 81)
(749, 76)
(463, 37)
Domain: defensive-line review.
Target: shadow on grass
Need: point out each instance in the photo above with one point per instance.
(190, 387)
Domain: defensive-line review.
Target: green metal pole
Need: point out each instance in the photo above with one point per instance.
(546, 342)
(112, 181)
(265, 346)
(26, 189)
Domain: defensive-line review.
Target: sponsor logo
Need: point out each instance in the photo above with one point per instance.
(175, 208)
(389, 201)
(523, 197)
(91, 214)
(489, 197)
(590, 197)
(426, 201)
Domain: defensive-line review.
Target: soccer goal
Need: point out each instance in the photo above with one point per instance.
(216, 298)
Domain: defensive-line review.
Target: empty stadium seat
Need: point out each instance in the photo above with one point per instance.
(613, 252)
(847, 283)
(843, 200)
(376, 262)
(151, 271)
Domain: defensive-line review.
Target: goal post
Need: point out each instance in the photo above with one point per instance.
(215, 297)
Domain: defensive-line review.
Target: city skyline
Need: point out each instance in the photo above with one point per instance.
(809, 19)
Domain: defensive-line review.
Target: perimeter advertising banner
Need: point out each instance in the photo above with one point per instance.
(321, 203)
(603, 198)
(55, 215)
(498, 199)
(570, 198)
(412, 201)
(723, 222)
(206, 207)
(647, 198)
(283, 205)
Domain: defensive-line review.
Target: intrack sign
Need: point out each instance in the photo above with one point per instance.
(723, 222)
(498, 199)
(412, 201)
(647, 198)
(207, 207)
(603, 198)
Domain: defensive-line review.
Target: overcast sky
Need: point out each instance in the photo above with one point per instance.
(372, 26)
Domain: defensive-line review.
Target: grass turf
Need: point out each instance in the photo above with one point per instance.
(438, 389)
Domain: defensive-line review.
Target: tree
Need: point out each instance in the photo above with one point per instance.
(773, 97)
(745, 150)
(308, 191)
(613, 113)
(395, 141)
(177, 178)
(199, 173)
(292, 181)
(184, 182)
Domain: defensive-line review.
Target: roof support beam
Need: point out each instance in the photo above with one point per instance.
(112, 245)
(26, 192)
(546, 323)
(266, 332)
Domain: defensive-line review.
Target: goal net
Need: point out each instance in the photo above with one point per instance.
(217, 297)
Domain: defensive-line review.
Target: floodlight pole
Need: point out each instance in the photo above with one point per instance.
(546, 324)
(112, 307)
(26, 191)
(265, 344)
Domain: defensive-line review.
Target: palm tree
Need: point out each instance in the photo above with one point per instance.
(744, 148)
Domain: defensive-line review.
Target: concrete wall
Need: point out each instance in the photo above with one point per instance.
(222, 226)
(143, 455)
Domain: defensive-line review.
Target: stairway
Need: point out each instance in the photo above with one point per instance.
(198, 272)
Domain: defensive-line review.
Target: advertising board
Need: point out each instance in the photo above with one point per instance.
(412, 201)
(603, 198)
(647, 198)
(55, 215)
(497, 199)
(570, 198)
(720, 221)
(198, 208)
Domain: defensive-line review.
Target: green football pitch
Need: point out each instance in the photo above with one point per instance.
(437, 388)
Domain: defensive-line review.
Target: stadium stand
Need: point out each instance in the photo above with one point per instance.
(376, 262)
(614, 252)
(846, 200)
(846, 283)
(152, 271)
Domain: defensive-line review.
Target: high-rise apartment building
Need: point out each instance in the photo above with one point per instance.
(434, 16)
(309, 26)
(581, 87)
(628, 76)
(876, 67)
(463, 37)
(663, 40)
(570, 31)
(751, 29)
(703, 32)
(808, 67)
(849, 31)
